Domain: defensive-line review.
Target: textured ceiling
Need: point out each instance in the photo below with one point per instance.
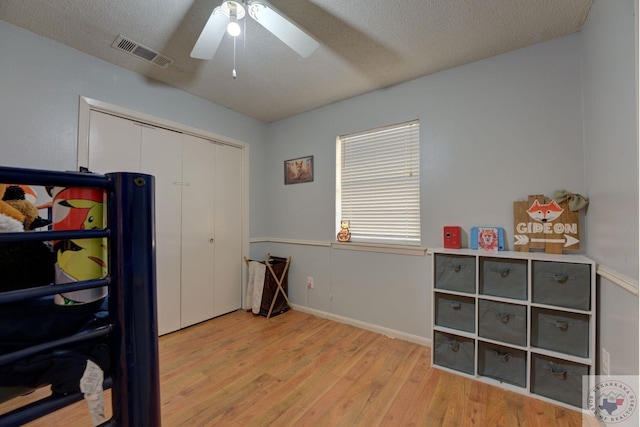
(364, 44)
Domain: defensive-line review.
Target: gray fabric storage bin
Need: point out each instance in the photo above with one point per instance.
(455, 272)
(454, 352)
(504, 364)
(503, 277)
(557, 379)
(562, 284)
(457, 312)
(502, 322)
(560, 331)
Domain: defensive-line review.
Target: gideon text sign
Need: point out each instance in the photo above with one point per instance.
(540, 223)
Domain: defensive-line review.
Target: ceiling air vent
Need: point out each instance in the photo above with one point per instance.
(142, 52)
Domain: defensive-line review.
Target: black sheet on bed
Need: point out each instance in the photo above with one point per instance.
(33, 322)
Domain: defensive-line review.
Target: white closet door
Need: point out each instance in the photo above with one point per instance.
(198, 207)
(228, 228)
(114, 144)
(162, 157)
(121, 145)
(199, 212)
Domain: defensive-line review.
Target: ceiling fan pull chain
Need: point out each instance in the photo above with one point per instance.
(233, 73)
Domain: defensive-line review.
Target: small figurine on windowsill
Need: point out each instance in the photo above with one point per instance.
(344, 235)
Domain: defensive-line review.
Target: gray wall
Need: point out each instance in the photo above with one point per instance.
(611, 162)
(492, 132)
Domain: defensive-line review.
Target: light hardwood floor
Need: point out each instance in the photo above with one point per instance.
(299, 370)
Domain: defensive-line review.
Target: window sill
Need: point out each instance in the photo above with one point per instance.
(372, 247)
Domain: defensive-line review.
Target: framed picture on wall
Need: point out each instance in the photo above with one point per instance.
(297, 171)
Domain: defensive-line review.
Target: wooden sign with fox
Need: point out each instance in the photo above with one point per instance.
(542, 223)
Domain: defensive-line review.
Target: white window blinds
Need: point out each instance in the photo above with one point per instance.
(378, 184)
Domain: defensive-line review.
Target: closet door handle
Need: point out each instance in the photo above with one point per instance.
(211, 240)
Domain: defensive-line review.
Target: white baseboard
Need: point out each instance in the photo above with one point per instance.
(391, 333)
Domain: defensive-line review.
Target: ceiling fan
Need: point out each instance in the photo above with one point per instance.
(226, 16)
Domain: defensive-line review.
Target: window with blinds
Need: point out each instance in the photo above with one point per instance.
(378, 184)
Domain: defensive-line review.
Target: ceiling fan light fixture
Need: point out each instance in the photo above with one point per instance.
(232, 8)
(225, 19)
(233, 28)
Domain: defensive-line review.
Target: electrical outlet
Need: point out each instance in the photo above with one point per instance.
(309, 282)
(604, 365)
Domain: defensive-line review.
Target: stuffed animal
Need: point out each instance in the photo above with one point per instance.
(8, 212)
(15, 196)
(22, 264)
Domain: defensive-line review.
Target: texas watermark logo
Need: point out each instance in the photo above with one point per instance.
(612, 401)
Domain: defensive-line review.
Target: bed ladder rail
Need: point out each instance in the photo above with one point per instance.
(133, 329)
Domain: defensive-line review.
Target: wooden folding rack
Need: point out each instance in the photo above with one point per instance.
(278, 280)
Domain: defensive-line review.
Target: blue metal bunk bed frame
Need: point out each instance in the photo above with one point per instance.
(132, 330)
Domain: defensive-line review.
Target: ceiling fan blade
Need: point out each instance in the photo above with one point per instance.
(283, 29)
(211, 36)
